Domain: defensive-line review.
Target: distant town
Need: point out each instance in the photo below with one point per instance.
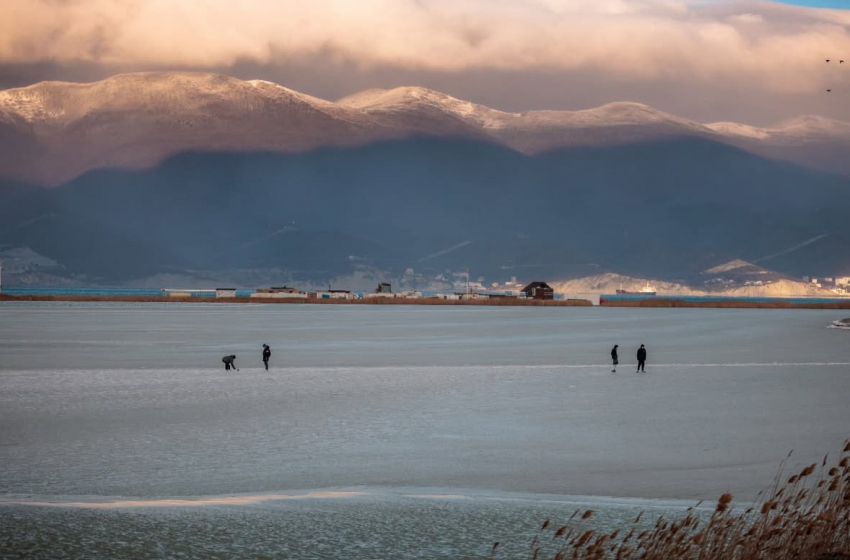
(837, 285)
(471, 291)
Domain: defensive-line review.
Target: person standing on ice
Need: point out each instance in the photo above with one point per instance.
(229, 362)
(614, 358)
(267, 353)
(641, 357)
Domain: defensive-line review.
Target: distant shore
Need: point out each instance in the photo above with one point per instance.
(498, 302)
(492, 302)
(725, 304)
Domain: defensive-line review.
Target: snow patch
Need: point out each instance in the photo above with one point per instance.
(402, 98)
(731, 265)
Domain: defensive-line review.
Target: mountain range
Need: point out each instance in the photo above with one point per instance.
(51, 132)
(204, 175)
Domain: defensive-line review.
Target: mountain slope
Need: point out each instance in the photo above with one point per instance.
(137, 120)
(52, 132)
(667, 210)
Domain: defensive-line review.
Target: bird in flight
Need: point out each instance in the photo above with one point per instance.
(840, 62)
(827, 60)
(829, 90)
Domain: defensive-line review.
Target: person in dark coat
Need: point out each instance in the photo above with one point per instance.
(641, 356)
(229, 362)
(267, 353)
(614, 358)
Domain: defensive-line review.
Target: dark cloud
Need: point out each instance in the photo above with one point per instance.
(744, 60)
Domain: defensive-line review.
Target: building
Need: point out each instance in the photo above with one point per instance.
(474, 295)
(279, 292)
(333, 294)
(225, 292)
(539, 290)
(384, 288)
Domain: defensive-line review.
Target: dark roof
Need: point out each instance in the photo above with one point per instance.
(533, 285)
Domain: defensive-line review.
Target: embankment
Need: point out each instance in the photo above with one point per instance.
(497, 302)
(726, 304)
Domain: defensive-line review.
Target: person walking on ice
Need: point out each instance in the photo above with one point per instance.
(229, 362)
(614, 358)
(641, 357)
(267, 353)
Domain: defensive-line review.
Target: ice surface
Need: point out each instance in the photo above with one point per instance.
(123, 402)
(132, 400)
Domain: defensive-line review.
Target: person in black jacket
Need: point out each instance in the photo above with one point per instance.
(641, 357)
(229, 362)
(267, 353)
(614, 358)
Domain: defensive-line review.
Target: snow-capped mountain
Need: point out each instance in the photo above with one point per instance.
(53, 131)
(794, 132)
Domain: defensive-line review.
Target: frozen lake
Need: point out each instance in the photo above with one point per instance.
(491, 417)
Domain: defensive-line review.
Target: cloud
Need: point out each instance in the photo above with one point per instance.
(688, 41)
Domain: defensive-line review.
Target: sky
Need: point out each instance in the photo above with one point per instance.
(753, 61)
(838, 4)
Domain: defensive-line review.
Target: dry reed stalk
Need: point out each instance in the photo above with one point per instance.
(806, 518)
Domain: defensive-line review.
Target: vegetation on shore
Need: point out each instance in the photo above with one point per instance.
(327, 301)
(726, 304)
(805, 518)
(649, 302)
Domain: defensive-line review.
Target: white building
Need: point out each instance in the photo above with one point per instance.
(279, 295)
(335, 294)
(284, 292)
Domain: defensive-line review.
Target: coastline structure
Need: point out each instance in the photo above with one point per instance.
(437, 300)
(305, 300)
(727, 303)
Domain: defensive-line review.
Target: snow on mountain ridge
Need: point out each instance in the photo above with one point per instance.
(137, 119)
(410, 97)
(620, 113)
(738, 129)
(53, 100)
(804, 127)
(726, 267)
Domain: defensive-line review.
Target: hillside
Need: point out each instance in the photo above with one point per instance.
(667, 210)
(736, 278)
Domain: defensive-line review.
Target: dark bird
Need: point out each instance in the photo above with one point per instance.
(840, 62)
(829, 90)
(827, 60)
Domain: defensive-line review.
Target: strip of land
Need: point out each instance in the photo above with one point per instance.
(497, 302)
(725, 304)
(323, 301)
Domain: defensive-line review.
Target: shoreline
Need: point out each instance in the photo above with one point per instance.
(658, 303)
(498, 302)
(723, 304)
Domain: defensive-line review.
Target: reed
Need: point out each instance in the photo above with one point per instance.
(805, 518)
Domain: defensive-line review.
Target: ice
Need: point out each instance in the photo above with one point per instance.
(123, 400)
(491, 417)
